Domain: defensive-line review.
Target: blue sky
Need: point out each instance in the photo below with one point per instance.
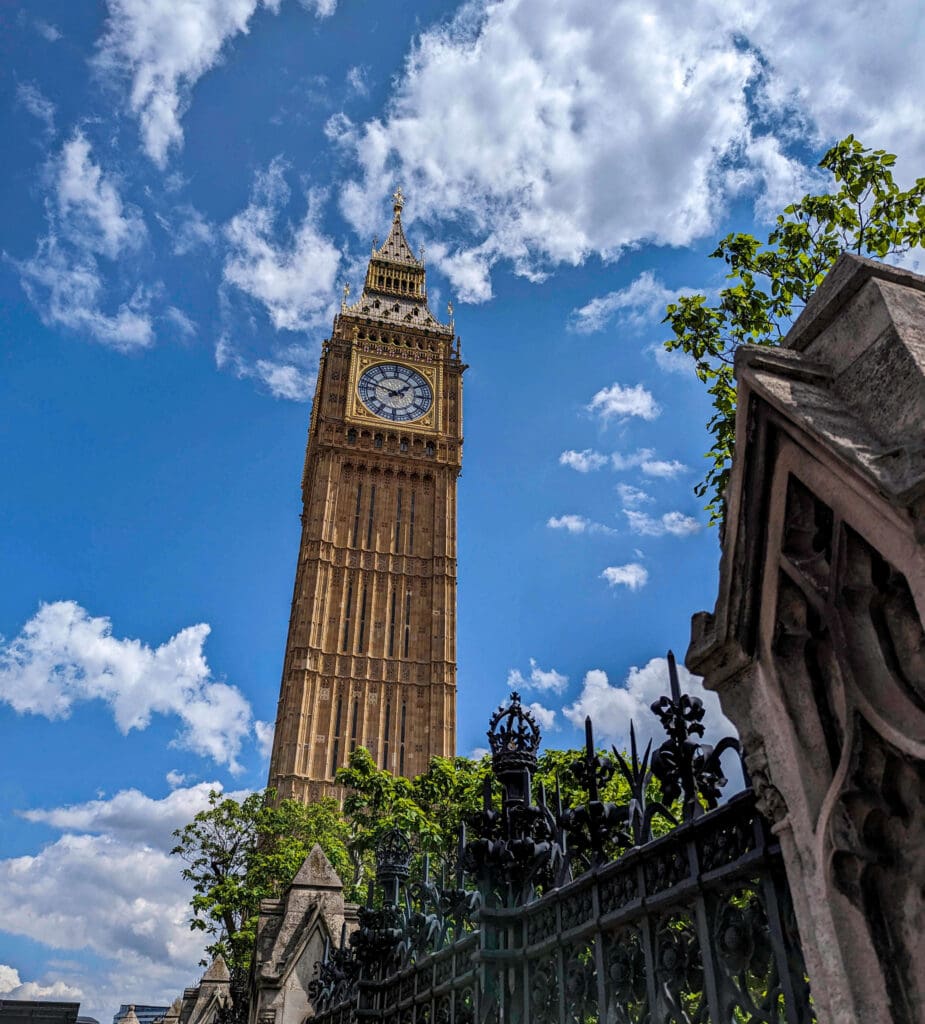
(187, 186)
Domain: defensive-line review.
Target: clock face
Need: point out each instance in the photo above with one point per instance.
(395, 392)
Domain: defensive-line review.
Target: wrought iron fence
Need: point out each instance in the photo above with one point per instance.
(581, 914)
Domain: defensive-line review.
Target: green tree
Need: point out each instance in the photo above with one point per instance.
(238, 853)
(771, 281)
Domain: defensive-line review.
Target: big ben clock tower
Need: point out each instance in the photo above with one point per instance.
(371, 653)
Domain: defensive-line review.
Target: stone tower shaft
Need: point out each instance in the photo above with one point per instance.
(371, 651)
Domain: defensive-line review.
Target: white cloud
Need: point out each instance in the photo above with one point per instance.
(189, 230)
(175, 778)
(573, 524)
(632, 460)
(47, 31)
(577, 524)
(663, 468)
(356, 81)
(164, 47)
(583, 461)
(87, 218)
(632, 496)
(139, 932)
(612, 707)
(67, 290)
(133, 817)
(64, 656)
(776, 178)
(539, 679)
(31, 98)
(867, 84)
(642, 300)
(674, 361)
(632, 575)
(533, 148)
(545, 717)
(288, 378)
(11, 987)
(682, 106)
(264, 732)
(293, 277)
(624, 401)
(181, 321)
(675, 523)
(339, 130)
(468, 270)
(477, 753)
(54, 898)
(89, 204)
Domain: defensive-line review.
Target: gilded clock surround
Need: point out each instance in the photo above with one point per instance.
(371, 651)
(357, 411)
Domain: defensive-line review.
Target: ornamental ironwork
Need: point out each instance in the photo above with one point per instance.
(574, 913)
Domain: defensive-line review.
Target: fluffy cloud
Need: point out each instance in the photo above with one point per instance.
(612, 707)
(63, 656)
(47, 31)
(265, 732)
(682, 106)
(577, 524)
(54, 898)
(183, 323)
(632, 496)
(356, 81)
(619, 461)
(11, 987)
(674, 361)
(584, 461)
(131, 817)
(545, 717)
(139, 931)
(663, 468)
(31, 98)
(87, 219)
(675, 523)
(67, 289)
(622, 401)
(633, 576)
(188, 231)
(866, 85)
(535, 146)
(291, 378)
(164, 47)
(294, 276)
(539, 679)
(643, 299)
(89, 204)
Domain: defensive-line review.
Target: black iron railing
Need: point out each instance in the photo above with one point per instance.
(579, 914)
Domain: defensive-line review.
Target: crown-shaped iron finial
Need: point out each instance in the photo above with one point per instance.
(393, 856)
(512, 731)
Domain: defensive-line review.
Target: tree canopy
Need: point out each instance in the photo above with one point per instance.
(867, 213)
(240, 852)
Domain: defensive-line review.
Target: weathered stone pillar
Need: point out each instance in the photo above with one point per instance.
(816, 645)
(291, 935)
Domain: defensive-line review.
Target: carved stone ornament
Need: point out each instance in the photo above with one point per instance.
(768, 798)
